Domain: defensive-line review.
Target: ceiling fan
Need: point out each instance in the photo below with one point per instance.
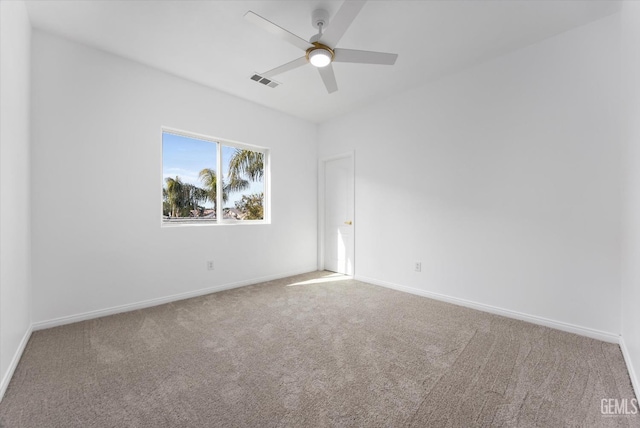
(321, 50)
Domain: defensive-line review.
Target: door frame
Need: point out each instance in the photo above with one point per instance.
(322, 164)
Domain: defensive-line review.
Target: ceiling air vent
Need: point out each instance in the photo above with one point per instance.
(267, 82)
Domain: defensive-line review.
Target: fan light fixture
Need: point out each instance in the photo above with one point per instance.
(320, 56)
(320, 51)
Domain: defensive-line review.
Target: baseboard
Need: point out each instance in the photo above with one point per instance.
(632, 373)
(582, 331)
(41, 325)
(14, 362)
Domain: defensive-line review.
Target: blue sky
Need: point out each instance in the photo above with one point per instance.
(185, 157)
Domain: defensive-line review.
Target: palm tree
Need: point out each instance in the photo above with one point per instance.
(182, 197)
(244, 166)
(195, 195)
(246, 163)
(175, 195)
(210, 181)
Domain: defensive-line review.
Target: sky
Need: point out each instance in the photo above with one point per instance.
(185, 157)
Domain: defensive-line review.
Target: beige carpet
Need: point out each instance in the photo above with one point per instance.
(302, 353)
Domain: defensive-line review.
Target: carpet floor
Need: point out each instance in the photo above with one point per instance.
(313, 350)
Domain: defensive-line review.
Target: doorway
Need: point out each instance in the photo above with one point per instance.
(337, 225)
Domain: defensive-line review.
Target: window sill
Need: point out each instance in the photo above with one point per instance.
(200, 223)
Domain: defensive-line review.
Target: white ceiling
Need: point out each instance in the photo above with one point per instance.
(209, 42)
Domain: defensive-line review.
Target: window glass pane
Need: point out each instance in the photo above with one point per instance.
(243, 172)
(189, 179)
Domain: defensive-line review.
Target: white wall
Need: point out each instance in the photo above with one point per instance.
(631, 278)
(15, 245)
(503, 180)
(96, 171)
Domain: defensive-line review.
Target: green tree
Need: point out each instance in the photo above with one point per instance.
(180, 198)
(210, 181)
(245, 165)
(195, 196)
(251, 206)
(174, 192)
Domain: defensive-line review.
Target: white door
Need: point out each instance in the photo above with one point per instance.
(338, 215)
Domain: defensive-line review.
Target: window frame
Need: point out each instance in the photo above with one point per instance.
(219, 142)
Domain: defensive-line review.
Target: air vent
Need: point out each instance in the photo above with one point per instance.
(267, 82)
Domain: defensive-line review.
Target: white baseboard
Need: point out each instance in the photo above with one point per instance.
(632, 373)
(41, 325)
(582, 331)
(14, 362)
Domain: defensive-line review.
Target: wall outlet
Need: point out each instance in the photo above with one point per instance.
(417, 267)
(210, 265)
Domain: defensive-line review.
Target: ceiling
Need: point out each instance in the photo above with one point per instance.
(210, 42)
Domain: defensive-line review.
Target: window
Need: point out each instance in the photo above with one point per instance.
(212, 181)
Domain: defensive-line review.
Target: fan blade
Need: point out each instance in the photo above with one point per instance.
(341, 22)
(285, 35)
(364, 57)
(329, 78)
(286, 67)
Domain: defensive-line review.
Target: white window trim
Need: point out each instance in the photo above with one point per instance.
(220, 221)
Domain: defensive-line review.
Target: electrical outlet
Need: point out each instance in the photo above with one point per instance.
(210, 265)
(418, 267)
